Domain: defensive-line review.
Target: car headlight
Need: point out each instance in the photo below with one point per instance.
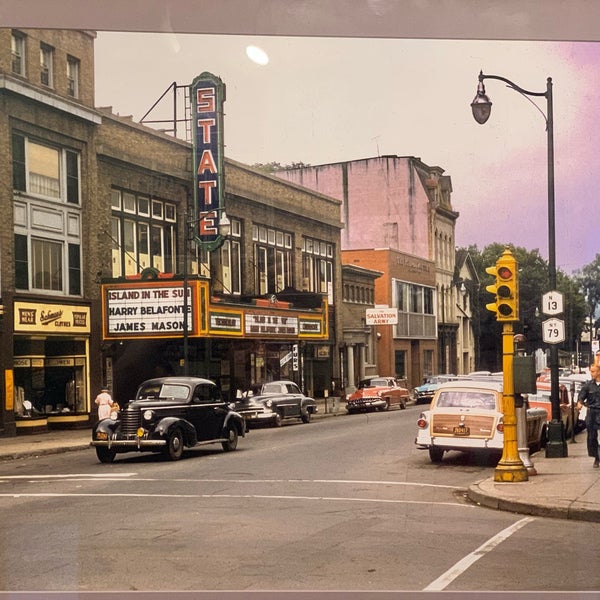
(148, 415)
(269, 403)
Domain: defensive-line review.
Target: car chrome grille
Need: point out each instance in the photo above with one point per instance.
(130, 421)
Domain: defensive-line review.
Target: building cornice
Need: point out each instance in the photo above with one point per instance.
(57, 103)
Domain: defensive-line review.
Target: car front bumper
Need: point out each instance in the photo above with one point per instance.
(129, 443)
(365, 403)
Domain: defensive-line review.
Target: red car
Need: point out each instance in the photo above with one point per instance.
(377, 393)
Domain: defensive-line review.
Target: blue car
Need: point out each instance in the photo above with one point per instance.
(423, 393)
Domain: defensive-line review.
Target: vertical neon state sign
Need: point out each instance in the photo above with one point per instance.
(207, 93)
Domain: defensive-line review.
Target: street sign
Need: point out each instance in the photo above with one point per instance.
(552, 303)
(553, 331)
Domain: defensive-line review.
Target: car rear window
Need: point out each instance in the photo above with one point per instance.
(179, 392)
(466, 399)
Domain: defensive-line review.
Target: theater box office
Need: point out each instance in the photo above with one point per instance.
(237, 342)
(50, 366)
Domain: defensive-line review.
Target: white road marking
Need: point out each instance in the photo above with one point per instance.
(462, 565)
(122, 476)
(235, 496)
(69, 476)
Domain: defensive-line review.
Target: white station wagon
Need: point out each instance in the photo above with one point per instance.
(467, 416)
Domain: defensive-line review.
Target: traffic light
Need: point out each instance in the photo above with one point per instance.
(505, 288)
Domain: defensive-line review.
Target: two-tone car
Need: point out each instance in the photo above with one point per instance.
(167, 415)
(377, 393)
(467, 416)
(422, 394)
(276, 401)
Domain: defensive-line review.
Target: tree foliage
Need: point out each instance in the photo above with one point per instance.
(533, 283)
(273, 167)
(589, 281)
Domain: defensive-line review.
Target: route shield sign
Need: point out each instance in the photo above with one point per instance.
(553, 331)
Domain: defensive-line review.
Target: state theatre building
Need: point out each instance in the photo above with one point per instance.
(260, 307)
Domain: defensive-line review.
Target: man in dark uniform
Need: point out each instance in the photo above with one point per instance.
(589, 396)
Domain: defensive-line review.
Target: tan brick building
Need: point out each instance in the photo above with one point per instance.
(99, 211)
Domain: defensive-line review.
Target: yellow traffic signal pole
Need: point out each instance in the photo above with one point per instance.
(510, 468)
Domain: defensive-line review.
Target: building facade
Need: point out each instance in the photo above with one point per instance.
(100, 281)
(358, 352)
(404, 205)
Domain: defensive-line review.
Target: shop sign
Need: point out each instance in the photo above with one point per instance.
(51, 318)
(207, 93)
(310, 327)
(226, 322)
(153, 310)
(272, 325)
(382, 316)
(295, 357)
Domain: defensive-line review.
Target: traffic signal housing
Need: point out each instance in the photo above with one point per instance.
(505, 288)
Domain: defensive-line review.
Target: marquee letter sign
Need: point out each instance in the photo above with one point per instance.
(207, 94)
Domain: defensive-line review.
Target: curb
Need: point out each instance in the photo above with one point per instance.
(540, 509)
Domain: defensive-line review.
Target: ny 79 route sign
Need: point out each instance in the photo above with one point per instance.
(553, 331)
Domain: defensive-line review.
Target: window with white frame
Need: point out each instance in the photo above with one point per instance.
(46, 65)
(273, 259)
(317, 266)
(231, 260)
(47, 217)
(143, 233)
(47, 265)
(416, 313)
(73, 76)
(17, 47)
(44, 170)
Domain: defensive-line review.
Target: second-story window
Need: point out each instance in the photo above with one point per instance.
(17, 47)
(231, 260)
(142, 233)
(72, 77)
(317, 267)
(46, 65)
(44, 170)
(416, 312)
(272, 259)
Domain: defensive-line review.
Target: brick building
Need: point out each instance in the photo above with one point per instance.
(404, 205)
(99, 213)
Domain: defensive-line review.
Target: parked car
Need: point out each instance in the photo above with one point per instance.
(377, 393)
(568, 390)
(275, 402)
(467, 416)
(424, 393)
(167, 415)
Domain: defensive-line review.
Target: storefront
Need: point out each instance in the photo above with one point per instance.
(50, 366)
(239, 344)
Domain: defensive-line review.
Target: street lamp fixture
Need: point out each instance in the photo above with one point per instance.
(481, 107)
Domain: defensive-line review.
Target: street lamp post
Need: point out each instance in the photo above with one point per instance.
(481, 106)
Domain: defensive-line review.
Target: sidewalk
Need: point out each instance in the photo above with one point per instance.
(564, 488)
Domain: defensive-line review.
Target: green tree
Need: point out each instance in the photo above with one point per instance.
(273, 166)
(533, 283)
(588, 280)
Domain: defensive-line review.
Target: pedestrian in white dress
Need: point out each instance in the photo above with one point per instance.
(104, 402)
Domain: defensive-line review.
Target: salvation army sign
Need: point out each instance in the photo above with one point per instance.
(382, 316)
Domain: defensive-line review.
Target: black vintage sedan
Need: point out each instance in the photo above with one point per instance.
(167, 415)
(276, 401)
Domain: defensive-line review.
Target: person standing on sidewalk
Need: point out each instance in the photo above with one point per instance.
(589, 396)
(104, 402)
